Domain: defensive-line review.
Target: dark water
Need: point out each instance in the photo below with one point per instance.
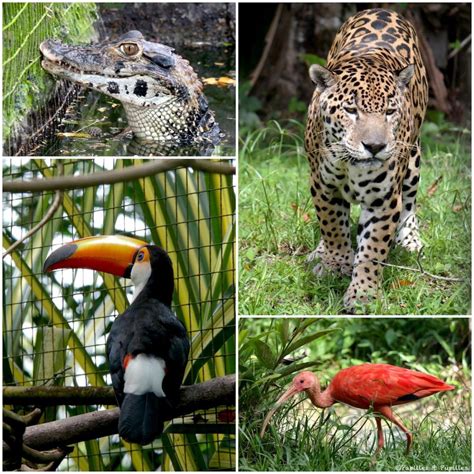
(96, 119)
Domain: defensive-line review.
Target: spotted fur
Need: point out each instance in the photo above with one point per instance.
(362, 141)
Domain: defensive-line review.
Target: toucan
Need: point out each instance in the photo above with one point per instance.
(148, 346)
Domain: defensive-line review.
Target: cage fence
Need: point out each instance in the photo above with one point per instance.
(55, 326)
(30, 111)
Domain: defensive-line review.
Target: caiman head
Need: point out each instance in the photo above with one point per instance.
(161, 93)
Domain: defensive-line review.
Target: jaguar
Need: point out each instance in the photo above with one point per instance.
(362, 141)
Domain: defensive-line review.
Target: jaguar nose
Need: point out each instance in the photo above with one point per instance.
(374, 148)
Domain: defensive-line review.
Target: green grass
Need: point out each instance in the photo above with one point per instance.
(329, 442)
(278, 229)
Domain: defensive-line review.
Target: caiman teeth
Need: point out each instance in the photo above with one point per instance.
(70, 68)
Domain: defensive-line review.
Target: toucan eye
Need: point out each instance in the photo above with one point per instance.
(130, 49)
(140, 256)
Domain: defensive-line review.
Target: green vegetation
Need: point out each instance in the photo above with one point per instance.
(303, 438)
(25, 26)
(278, 229)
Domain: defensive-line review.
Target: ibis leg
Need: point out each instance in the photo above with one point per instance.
(379, 435)
(387, 412)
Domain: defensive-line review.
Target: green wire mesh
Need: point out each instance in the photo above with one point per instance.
(25, 83)
(55, 326)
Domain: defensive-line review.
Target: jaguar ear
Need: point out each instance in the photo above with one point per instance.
(405, 75)
(321, 77)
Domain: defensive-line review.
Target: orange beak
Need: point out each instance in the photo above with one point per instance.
(292, 391)
(105, 253)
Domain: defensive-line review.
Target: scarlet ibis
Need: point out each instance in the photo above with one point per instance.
(147, 347)
(376, 386)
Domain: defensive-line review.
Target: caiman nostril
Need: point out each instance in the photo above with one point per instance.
(374, 148)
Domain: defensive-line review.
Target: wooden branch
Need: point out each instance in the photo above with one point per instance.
(457, 50)
(129, 173)
(213, 393)
(422, 271)
(269, 38)
(44, 396)
(72, 430)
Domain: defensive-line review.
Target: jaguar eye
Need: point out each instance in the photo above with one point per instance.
(130, 49)
(140, 256)
(350, 110)
(390, 111)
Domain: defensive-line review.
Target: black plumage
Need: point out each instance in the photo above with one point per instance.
(148, 327)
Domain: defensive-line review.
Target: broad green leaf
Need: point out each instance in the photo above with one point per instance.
(264, 353)
(283, 330)
(307, 339)
(50, 355)
(205, 344)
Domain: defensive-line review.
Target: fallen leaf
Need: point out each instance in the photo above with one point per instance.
(219, 64)
(226, 81)
(457, 207)
(306, 217)
(434, 186)
(294, 206)
(400, 283)
(220, 82)
(73, 135)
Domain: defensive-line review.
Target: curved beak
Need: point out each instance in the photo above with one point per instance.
(105, 253)
(292, 391)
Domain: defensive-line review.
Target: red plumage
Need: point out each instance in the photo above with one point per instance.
(370, 385)
(377, 386)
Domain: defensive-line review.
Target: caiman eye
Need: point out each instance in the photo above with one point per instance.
(390, 111)
(130, 49)
(350, 110)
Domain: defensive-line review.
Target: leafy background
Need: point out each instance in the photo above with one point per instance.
(55, 326)
(303, 438)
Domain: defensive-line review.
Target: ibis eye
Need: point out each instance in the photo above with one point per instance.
(140, 256)
(130, 49)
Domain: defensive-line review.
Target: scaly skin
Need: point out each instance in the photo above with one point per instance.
(161, 94)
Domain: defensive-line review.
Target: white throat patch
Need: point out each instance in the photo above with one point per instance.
(140, 274)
